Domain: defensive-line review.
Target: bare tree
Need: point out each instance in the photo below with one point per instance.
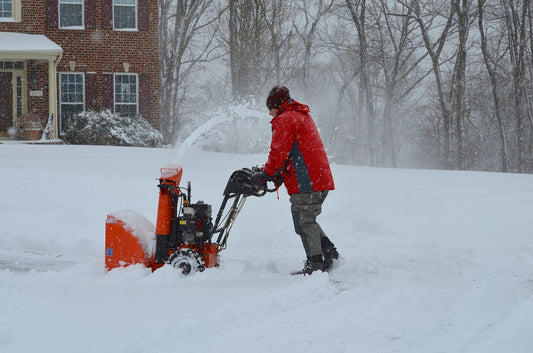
(435, 49)
(530, 87)
(357, 9)
(259, 42)
(462, 10)
(278, 19)
(398, 54)
(308, 30)
(186, 39)
(247, 44)
(490, 65)
(515, 20)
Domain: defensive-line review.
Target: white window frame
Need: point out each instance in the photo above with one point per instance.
(60, 98)
(136, 5)
(15, 12)
(67, 2)
(115, 103)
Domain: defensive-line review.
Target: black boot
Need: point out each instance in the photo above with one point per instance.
(312, 264)
(330, 255)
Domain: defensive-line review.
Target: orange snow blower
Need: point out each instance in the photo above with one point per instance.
(184, 233)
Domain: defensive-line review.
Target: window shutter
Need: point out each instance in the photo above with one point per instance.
(144, 15)
(144, 96)
(90, 14)
(51, 13)
(107, 14)
(91, 99)
(108, 98)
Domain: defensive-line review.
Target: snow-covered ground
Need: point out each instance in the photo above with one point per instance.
(433, 261)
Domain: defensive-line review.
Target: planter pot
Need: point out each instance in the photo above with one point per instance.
(32, 135)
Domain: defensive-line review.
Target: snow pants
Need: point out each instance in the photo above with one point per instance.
(305, 208)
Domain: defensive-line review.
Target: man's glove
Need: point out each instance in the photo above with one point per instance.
(259, 179)
(278, 179)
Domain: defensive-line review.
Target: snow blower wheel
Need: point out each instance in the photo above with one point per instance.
(186, 261)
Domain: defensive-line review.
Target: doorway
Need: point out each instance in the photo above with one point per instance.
(6, 102)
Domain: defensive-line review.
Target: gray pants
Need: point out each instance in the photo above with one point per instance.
(305, 209)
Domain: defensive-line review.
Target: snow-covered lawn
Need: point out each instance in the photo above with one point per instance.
(432, 261)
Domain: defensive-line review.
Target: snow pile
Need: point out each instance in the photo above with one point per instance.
(138, 226)
(433, 261)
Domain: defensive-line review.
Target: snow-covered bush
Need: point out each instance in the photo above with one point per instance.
(107, 128)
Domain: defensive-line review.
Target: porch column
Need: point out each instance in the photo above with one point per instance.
(52, 92)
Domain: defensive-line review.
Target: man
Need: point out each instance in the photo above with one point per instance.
(298, 155)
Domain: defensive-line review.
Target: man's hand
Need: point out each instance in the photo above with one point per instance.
(259, 179)
(277, 179)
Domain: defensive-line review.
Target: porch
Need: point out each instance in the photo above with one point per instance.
(28, 82)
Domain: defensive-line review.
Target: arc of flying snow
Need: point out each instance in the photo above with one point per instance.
(220, 118)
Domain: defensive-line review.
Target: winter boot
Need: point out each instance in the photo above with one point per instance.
(330, 255)
(312, 264)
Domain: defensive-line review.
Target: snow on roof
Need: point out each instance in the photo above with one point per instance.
(20, 44)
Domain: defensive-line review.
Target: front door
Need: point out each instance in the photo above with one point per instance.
(6, 102)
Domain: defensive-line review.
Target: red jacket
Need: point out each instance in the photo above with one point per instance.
(297, 151)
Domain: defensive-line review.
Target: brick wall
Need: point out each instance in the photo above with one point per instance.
(33, 18)
(38, 104)
(99, 50)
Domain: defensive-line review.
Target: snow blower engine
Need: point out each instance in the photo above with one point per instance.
(184, 235)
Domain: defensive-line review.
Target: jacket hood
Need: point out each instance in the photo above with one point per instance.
(293, 105)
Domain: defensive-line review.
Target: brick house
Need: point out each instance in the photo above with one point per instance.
(61, 57)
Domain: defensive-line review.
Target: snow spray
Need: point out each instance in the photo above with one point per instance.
(196, 134)
(220, 117)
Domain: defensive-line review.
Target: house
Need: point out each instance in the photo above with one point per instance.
(61, 57)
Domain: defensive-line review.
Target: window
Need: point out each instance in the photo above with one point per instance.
(6, 9)
(9, 65)
(71, 97)
(126, 93)
(125, 14)
(10, 10)
(70, 13)
(19, 95)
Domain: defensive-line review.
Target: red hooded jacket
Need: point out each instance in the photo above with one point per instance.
(297, 151)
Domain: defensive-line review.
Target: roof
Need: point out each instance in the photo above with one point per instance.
(27, 46)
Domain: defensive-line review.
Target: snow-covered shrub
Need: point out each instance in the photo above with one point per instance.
(106, 128)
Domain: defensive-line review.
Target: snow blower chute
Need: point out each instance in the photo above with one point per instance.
(184, 233)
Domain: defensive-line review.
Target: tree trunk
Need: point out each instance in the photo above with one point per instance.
(359, 19)
(434, 51)
(516, 29)
(461, 8)
(487, 58)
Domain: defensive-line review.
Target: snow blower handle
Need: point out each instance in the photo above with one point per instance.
(241, 183)
(276, 179)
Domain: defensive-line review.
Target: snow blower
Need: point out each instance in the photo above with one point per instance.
(184, 233)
